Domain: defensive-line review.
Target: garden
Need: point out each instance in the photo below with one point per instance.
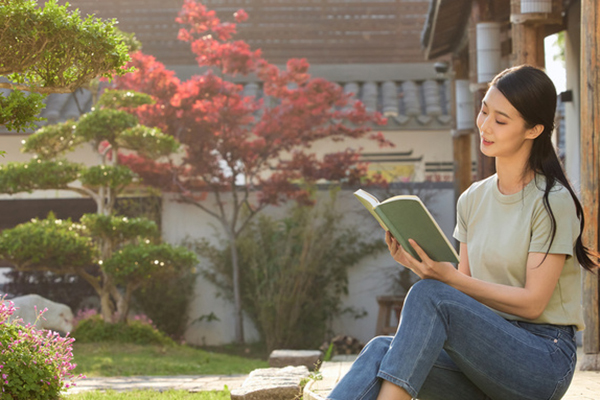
(151, 133)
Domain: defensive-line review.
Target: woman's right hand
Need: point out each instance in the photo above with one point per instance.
(395, 249)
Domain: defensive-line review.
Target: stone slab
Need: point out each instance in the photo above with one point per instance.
(272, 384)
(283, 358)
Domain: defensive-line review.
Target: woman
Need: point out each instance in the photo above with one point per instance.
(502, 325)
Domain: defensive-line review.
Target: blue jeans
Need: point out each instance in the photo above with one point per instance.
(449, 346)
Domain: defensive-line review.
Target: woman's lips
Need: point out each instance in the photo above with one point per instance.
(486, 142)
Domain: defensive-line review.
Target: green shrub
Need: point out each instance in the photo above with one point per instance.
(166, 302)
(95, 329)
(293, 272)
(33, 364)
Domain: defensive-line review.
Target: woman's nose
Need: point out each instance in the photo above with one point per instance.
(482, 123)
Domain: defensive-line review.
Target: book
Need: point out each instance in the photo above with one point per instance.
(406, 217)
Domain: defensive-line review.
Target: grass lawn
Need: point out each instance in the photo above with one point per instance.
(116, 359)
(149, 395)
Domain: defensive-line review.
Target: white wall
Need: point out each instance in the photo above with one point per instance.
(367, 280)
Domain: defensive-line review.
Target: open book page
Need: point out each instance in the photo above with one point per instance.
(370, 202)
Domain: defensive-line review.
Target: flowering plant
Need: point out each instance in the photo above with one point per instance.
(34, 364)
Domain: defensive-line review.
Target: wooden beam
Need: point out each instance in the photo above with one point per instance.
(590, 171)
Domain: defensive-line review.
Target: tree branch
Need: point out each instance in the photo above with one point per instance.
(38, 89)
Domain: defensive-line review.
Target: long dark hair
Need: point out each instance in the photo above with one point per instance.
(533, 94)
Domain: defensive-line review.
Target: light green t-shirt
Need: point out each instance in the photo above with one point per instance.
(501, 230)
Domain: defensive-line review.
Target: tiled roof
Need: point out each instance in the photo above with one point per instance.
(323, 31)
(408, 104)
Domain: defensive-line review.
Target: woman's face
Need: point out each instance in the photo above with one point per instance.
(502, 129)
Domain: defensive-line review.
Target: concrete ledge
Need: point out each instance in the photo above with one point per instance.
(283, 358)
(272, 384)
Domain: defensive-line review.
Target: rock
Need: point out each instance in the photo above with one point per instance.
(272, 384)
(283, 358)
(58, 317)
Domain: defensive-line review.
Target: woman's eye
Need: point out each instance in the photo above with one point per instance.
(501, 123)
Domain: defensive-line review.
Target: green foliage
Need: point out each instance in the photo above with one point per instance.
(119, 229)
(51, 244)
(18, 112)
(148, 142)
(294, 272)
(105, 124)
(18, 177)
(52, 50)
(95, 329)
(167, 301)
(55, 47)
(116, 177)
(116, 99)
(52, 141)
(142, 261)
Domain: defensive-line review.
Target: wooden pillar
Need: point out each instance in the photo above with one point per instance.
(480, 12)
(461, 139)
(528, 32)
(590, 172)
(528, 44)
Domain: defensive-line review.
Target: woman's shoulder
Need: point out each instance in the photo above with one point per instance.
(479, 187)
(559, 195)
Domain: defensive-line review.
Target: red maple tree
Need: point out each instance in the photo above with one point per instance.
(248, 151)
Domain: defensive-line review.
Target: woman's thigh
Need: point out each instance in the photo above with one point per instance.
(447, 382)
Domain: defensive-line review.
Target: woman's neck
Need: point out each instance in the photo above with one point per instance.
(512, 177)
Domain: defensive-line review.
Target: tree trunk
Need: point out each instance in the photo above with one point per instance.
(237, 298)
(124, 303)
(106, 305)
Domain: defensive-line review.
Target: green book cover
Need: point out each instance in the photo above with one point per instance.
(406, 217)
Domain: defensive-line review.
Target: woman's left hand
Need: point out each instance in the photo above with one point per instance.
(426, 268)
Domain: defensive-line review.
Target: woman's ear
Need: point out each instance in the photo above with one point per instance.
(535, 131)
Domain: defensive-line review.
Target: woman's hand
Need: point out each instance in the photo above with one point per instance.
(426, 268)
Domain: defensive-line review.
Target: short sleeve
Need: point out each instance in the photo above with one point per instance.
(460, 231)
(567, 225)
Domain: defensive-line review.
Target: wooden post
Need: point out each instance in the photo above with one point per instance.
(528, 31)
(480, 12)
(528, 44)
(461, 141)
(590, 171)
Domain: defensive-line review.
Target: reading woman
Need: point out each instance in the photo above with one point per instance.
(502, 325)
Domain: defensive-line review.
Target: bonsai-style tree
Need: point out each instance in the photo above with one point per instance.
(244, 150)
(128, 251)
(50, 50)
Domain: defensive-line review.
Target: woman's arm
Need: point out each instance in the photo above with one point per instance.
(527, 302)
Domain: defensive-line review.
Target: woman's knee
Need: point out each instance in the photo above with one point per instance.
(427, 288)
(378, 345)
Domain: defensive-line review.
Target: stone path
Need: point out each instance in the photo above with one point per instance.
(585, 385)
(190, 383)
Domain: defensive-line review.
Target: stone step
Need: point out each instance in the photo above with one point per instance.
(283, 358)
(272, 384)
